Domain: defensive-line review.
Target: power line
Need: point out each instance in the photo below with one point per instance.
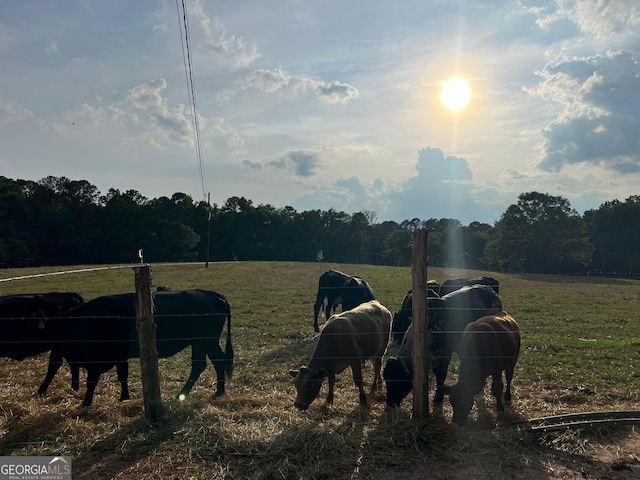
(191, 88)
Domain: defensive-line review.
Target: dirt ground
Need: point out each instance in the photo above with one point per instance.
(598, 461)
(607, 453)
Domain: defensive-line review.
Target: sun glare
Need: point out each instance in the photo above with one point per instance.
(455, 94)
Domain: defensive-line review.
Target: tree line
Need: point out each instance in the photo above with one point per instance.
(58, 221)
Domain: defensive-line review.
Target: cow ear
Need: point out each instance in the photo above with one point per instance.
(293, 373)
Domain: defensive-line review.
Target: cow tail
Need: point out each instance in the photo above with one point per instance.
(229, 347)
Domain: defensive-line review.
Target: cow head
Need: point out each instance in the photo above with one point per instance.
(308, 383)
(461, 399)
(398, 379)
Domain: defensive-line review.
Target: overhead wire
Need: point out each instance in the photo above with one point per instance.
(185, 40)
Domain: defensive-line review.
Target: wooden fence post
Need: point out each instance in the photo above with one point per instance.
(421, 336)
(153, 407)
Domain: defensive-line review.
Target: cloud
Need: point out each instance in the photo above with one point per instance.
(335, 92)
(12, 113)
(53, 48)
(302, 163)
(442, 188)
(599, 123)
(305, 163)
(277, 80)
(216, 38)
(432, 164)
(599, 18)
(140, 117)
(250, 164)
(346, 194)
(145, 102)
(268, 81)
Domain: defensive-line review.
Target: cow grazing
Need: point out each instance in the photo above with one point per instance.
(346, 340)
(454, 284)
(102, 334)
(489, 346)
(340, 289)
(447, 318)
(398, 371)
(329, 287)
(22, 320)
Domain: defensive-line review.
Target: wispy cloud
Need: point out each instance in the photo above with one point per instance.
(13, 113)
(275, 80)
(237, 48)
(599, 18)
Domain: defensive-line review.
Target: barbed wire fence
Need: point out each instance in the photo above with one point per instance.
(421, 378)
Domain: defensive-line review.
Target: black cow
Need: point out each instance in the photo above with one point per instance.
(102, 334)
(329, 287)
(356, 292)
(454, 284)
(340, 288)
(402, 318)
(447, 318)
(22, 321)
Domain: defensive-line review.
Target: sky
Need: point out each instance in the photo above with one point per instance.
(327, 104)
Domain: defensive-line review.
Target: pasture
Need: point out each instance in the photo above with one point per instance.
(580, 352)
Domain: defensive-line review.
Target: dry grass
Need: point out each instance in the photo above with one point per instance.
(254, 432)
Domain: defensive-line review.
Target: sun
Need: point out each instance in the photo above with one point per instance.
(455, 94)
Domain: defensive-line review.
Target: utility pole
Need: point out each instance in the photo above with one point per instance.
(206, 265)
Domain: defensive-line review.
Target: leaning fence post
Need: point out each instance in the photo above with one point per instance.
(153, 407)
(421, 337)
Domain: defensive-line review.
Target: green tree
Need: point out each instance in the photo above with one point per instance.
(18, 247)
(63, 213)
(540, 234)
(397, 247)
(475, 241)
(615, 230)
(171, 222)
(123, 223)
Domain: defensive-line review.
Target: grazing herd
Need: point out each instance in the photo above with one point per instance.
(461, 312)
(465, 316)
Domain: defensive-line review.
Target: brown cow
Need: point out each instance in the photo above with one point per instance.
(489, 346)
(346, 340)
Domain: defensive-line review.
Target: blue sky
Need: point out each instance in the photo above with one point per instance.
(328, 104)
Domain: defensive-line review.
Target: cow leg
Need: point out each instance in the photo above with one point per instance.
(440, 369)
(331, 378)
(356, 368)
(218, 360)
(93, 376)
(122, 369)
(75, 376)
(508, 373)
(336, 301)
(331, 305)
(55, 362)
(198, 364)
(496, 389)
(377, 378)
(316, 311)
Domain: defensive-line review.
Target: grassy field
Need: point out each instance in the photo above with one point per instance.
(580, 352)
